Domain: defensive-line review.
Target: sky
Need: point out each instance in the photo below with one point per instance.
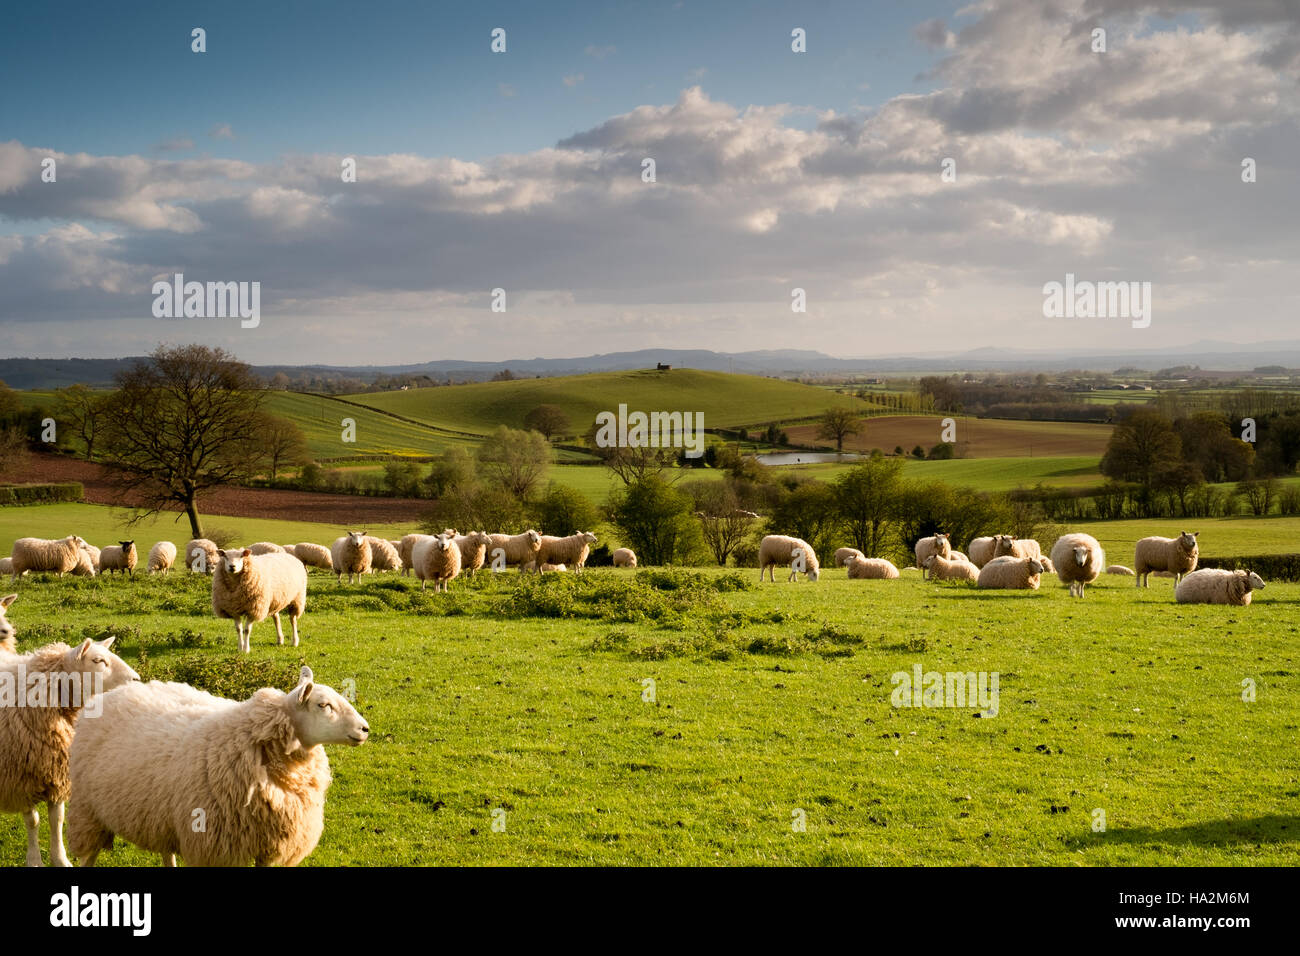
(522, 170)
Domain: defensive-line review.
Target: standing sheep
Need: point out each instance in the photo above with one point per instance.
(39, 554)
(201, 555)
(1176, 556)
(351, 555)
(1217, 586)
(250, 587)
(314, 555)
(120, 557)
(935, 544)
(571, 550)
(624, 558)
(8, 636)
(256, 769)
(383, 556)
(946, 569)
(87, 562)
(518, 550)
(473, 550)
(1010, 545)
(982, 550)
(1079, 560)
(1011, 573)
(782, 549)
(844, 555)
(161, 557)
(406, 550)
(6, 565)
(871, 569)
(436, 560)
(55, 683)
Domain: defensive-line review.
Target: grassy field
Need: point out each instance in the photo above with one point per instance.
(976, 437)
(532, 698)
(321, 417)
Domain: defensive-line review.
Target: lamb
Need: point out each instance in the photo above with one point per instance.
(935, 544)
(162, 754)
(1009, 544)
(1217, 586)
(1177, 556)
(781, 549)
(473, 550)
(546, 568)
(843, 556)
(39, 554)
(120, 557)
(8, 638)
(1010, 572)
(624, 558)
(202, 555)
(982, 550)
(87, 562)
(265, 547)
(571, 550)
(161, 557)
(1079, 560)
(871, 569)
(351, 555)
(519, 549)
(41, 696)
(1119, 569)
(314, 555)
(436, 559)
(249, 586)
(950, 569)
(383, 556)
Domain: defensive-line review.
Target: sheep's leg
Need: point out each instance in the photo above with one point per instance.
(58, 855)
(33, 821)
(169, 859)
(293, 619)
(279, 631)
(90, 858)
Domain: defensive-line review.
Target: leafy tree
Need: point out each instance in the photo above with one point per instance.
(1141, 448)
(836, 425)
(517, 460)
(550, 420)
(807, 511)
(450, 472)
(564, 510)
(724, 524)
(655, 519)
(479, 507)
(402, 478)
(866, 502)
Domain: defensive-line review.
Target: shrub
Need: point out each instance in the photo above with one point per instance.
(41, 494)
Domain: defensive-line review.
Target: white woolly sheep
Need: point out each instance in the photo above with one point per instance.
(383, 556)
(782, 549)
(8, 636)
(351, 555)
(1119, 569)
(265, 547)
(624, 558)
(871, 569)
(571, 550)
(950, 569)
(87, 562)
(1177, 556)
(844, 555)
(1048, 566)
(60, 555)
(406, 548)
(1078, 559)
(547, 568)
(959, 556)
(1011, 573)
(6, 565)
(41, 696)
(314, 555)
(436, 559)
(982, 550)
(202, 555)
(161, 557)
(935, 544)
(1217, 586)
(1010, 545)
(120, 557)
(256, 770)
(519, 550)
(473, 550)
(250, 587)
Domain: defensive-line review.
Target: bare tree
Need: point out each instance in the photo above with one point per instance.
(80, 411)
(723, 523)
(283, 443)
(838, 424)
(181, 423)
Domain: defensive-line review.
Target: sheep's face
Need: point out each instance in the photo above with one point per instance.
(95, 660)
(6, 629)
(357, 537)
(321, 715)
(1081, 556)
(927, 563)
(76, 541)
(587, 537)
(534, 538)
(1254, 580)
(127, 547)
(812, 574)
(1188, 540)
(232, 562)
(1035, 567)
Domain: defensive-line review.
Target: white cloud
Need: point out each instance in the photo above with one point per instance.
(573, 79)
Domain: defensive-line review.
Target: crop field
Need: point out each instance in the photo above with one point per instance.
(976, 437)
(659, 717)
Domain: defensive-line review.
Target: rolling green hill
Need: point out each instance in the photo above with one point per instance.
(321, 419)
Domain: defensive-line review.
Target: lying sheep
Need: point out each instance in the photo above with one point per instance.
(473, 550)
(1048, 566)
(1009, 544)
(959, 556)
(255, 770)
(314, 555)
(250, 587)
(547, 568)
(40, 554)
(871, 569)
(1176, 556)
(265, 547)
(518, 550)
(782, 549)
(161, 557)
(624, 558)
(202, 555)
(1217, 586)
(1119, 569)
(935, 544)
(383, 556)
(1011, 573)
(982, 550)
(120, 557)
(1078, 560)
(87, 562)
(351, 555)
(8, 636)
(844, 555)
(571, 550)
(55, 684)
(950, 569)
(436, 559)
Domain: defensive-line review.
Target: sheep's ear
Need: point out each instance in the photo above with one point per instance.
(305, 685)
(7, 600)
(245, 553)
(84, 649)
(107, 642)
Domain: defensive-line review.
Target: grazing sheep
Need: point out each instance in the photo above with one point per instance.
(571, 550)
(256, 770)
(1079, 560)
(1009, 572)
(39, 554)
(265, 547)
(250, 587)
(1217, 586)
(624, 558)
(473, 550)
(517, 549)
(383, 556)
(8, 636)
(1177, 556)
(6, 565)
(351, 555)
(844, 555)
(871, 569)
(1119, 569)
(436, 559)
(87, 562)
(314, 555)
(161, 557)
(43, 694)
(1009, 544)
(935, 544)
(782, 549)
(950, 569)
(982, 550)
(202, 555)
(120, 557)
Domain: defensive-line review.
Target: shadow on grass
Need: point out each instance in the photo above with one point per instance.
(1275, 828)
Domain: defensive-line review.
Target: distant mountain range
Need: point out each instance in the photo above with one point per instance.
(25, 373)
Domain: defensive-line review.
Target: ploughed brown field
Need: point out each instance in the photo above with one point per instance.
(976, 437)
